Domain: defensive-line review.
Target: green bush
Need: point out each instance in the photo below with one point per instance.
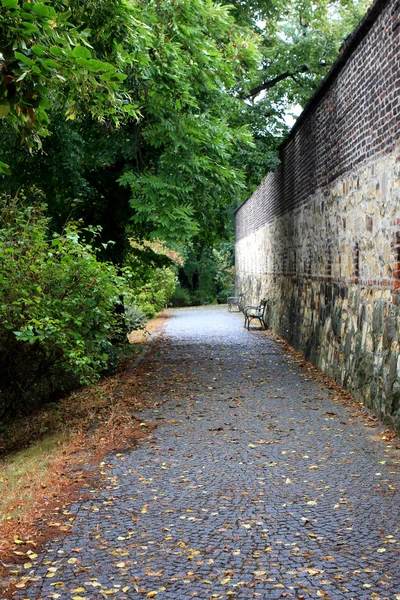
(155, 292)
(224, 257)
(208, 275)
(59, 315)
(181, 297)
(154, 268)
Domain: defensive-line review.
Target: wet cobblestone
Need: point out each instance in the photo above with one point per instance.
(254, 485)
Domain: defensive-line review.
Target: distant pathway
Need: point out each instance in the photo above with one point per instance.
(255, 484)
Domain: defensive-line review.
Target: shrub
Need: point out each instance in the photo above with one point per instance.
(181, 297)
(154, 266)
(58, 308)
(208, 274)
(156, 290)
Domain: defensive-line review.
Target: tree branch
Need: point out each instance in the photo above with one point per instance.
(266, 85)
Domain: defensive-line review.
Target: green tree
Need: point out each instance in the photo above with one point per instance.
(163, 114)
(46, 59)
(300, 41)
(174, 158)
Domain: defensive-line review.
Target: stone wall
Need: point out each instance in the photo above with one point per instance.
(321, 235)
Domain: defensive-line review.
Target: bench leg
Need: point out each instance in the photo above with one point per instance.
(248, 319)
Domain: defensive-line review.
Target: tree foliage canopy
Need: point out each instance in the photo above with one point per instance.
(155, 116)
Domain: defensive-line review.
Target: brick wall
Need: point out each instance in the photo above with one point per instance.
(321, 235)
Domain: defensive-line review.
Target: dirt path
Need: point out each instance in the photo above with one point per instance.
(258, 482)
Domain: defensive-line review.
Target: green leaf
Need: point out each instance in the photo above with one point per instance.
(49, 62)
(40, 9)
(113, 76)
(10, 4)
(38, 49)
(23, 58)
(107, 66)
(97, 65)
(29, 27)
(81, 52)
(82, 62)
(27, 16)
(4, 110)
(5, 169)
(56, 50)
(44, 103)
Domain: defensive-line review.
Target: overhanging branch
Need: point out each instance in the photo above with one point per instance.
(270, 83)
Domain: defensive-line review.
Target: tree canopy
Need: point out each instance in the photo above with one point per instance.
(152, 118)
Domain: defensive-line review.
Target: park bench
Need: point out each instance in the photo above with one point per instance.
(235, 301)
(256, 312)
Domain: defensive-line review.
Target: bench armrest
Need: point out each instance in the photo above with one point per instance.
(246, 308)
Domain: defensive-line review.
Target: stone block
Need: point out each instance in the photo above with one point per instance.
(378, 318)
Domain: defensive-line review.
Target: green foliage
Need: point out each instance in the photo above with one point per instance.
(181, 60)
(46, 59)
(224, 257)
(154, 268)
(181, 297)
(207, 275)
(58, 316)
(180, 79)
(300, 41)
(303, 43)
(156, 291)
(183, 172)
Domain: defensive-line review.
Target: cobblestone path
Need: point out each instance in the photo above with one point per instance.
(256, 483)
